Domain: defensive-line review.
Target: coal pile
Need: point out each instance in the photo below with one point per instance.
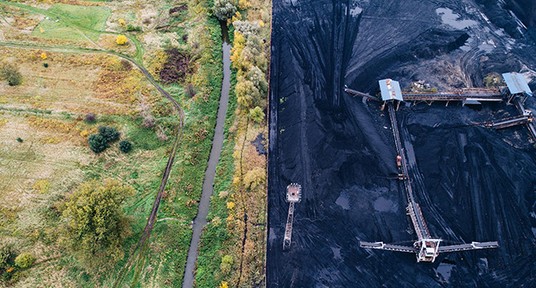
(475, 184)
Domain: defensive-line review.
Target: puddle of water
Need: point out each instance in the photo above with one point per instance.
(343, 200)
(271, 236)
(336, 253)
(487, 46)
(445, 270)
(452, 19)
(384, 205)
(356, 11)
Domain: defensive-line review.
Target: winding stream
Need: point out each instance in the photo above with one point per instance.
(208, 185)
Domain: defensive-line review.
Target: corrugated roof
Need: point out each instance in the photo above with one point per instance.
(516, 83)
(390, 90)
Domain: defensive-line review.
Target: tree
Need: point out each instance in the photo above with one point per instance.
(97, 143)
(246, 93)
(254, 178)
(109, 134)
(256, 114)
(24, 260)
(224, 9)
(93, 222)
(7, 255)
(125, 146)
(243, 4)
(226, 263)
(11, 74)
(121, 40)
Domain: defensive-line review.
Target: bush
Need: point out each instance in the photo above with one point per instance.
(121, 40)
(45, 65)
(177, 66)
(125, 146)
(149, 121)
(132, 28)
(90, 118)
(255, 178)
(224, 9)
(109, 134)
(226, 264)
(7, 255)
(97, 143)
(190, 90)
(256, 114)
(19, 140)
(24, 260)
(11, 74)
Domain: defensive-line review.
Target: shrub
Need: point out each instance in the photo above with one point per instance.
(97, 143)
(7, 255)
(177, 66)
(149, 121)
(224, 9)
(19, 140)
(90, 118)
(256, 114)
(24, 260)
(125, 65)
(226, 263)
(125, 146)
(109, 134)
(132, 28)
(190, 90)
(254, 178)
(11, 74)
(121, 40)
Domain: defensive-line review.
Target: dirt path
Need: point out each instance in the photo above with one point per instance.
(201, 219)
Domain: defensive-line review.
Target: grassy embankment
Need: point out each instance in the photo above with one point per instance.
(46, 112)
(233, 248)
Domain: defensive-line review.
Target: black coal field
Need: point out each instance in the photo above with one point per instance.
(473, 183)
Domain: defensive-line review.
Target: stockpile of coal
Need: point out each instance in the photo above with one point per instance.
(475, 184)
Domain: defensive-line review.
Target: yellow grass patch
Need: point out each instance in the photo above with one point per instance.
(76, 83)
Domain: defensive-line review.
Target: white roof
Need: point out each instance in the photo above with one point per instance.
(390, 90)
(517, 83)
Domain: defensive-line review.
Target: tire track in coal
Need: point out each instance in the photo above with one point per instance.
(420, 188)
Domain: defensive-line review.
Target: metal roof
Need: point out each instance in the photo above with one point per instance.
(390, 90)
(517, 83)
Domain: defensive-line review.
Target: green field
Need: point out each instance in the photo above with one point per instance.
(64, 20)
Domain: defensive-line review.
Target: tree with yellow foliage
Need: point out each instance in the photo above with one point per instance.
(121, 40)
(243, 4)
(44, 56)
(255, 178)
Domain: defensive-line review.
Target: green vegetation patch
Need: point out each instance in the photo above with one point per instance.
(72, 22)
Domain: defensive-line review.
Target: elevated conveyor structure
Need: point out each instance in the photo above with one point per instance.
(293, 196)
(426, 247)
(466, 96)
(518, 102)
